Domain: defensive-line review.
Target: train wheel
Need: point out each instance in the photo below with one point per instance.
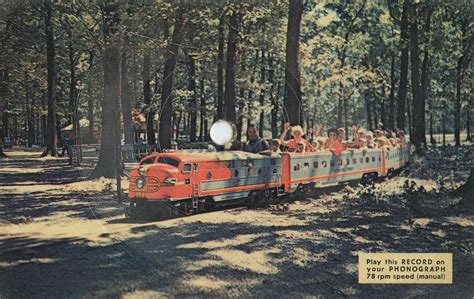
(368, 178)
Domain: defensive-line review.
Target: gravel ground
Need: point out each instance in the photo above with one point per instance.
(64, 236)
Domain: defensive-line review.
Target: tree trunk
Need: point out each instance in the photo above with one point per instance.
(293, 103)
(150, 114)
(90, 104)
(229, 96)
(425, 76)
(468, 124)
(273, 99)
(466, 191)
(369, 110)
(166, 124)
(391, 110)
(444, 130)
(125, 99)
(109, 156)
(193, 99)
(418, 102)
(51, 138)
(203, 111)
(262, 94)
(457, 107)
(403, 87)
(220, 71)
(73, 105)
(432, 139)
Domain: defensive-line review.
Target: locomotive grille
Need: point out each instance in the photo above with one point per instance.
(152, 185)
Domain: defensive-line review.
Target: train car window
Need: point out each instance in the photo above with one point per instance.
(306, 165)
(209, 175)
(259, 171)
(367, 160)
(251, 163)
(236, 173)
(244, 163)
(332, 163)
(354, 161)
(195, 167)
(339, 162)
(186, 168)
(361, 160)
(379, 159)
(169, 161)
(273, 162)
(348, 161)
(324, 164)
(275, 170)
(148, 161)
(296, 167)
(315, 164)
(373, 159)
(230, 164)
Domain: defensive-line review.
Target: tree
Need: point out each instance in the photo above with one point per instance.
(166, 113)
(418, 102)
(232, 40)
(51, 138)
(110, 136)
(403, 83)
(293, 105)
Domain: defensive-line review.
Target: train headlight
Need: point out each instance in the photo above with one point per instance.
(140, 183)
(141, 171)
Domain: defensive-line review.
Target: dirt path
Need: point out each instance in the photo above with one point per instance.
(64, 237)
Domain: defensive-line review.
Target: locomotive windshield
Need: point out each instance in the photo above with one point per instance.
(148, 161)
(169, 161)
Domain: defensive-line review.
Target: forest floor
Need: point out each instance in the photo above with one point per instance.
(64, 236)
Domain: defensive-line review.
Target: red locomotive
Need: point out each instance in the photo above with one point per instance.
(180, 182)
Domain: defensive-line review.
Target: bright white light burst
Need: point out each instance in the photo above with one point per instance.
(221, 132)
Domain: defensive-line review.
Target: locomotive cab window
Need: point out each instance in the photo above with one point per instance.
(315, 164)
(296, 167)
(169, 161)
(367, 160)
(148, 161)
(186, 168)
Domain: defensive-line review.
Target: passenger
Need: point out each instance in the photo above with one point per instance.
(370, 140)
(359, 138)
(300, 147)
(333, 144)
(314, 145)
(341, 137)
(321, 142)
(297, 133)
(255, 144)
(393, 142)
(381, 142)
(401, 137)
(319, 128)
(274, 148)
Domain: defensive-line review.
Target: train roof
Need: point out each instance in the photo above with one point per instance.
(211, 156)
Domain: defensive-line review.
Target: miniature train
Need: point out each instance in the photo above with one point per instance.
(183, 183)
